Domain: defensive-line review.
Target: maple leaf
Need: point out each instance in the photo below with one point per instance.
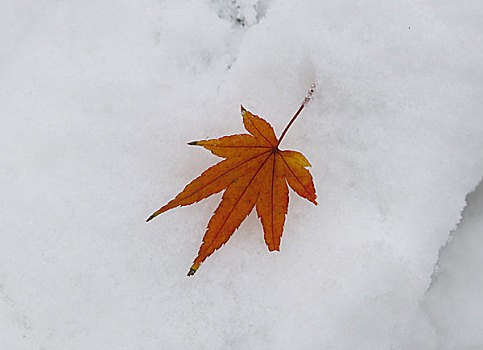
(254, 172)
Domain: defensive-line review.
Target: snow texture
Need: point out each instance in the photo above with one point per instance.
(454, 301)
(97, 102)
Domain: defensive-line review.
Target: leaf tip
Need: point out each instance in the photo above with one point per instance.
(193, 143)
(192, 271)
(243, 110)
(153, 215)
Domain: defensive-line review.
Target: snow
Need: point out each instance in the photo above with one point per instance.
(97, 102)
(453, 302)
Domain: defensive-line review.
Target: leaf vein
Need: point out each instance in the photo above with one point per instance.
(305, 188)
(236, 203)
(223, 174)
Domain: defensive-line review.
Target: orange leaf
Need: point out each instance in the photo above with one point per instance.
(254, 172)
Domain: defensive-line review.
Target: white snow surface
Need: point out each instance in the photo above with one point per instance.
(454, 301)
(97, 102)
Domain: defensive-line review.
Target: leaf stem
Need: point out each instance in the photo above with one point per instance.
(306, 101)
